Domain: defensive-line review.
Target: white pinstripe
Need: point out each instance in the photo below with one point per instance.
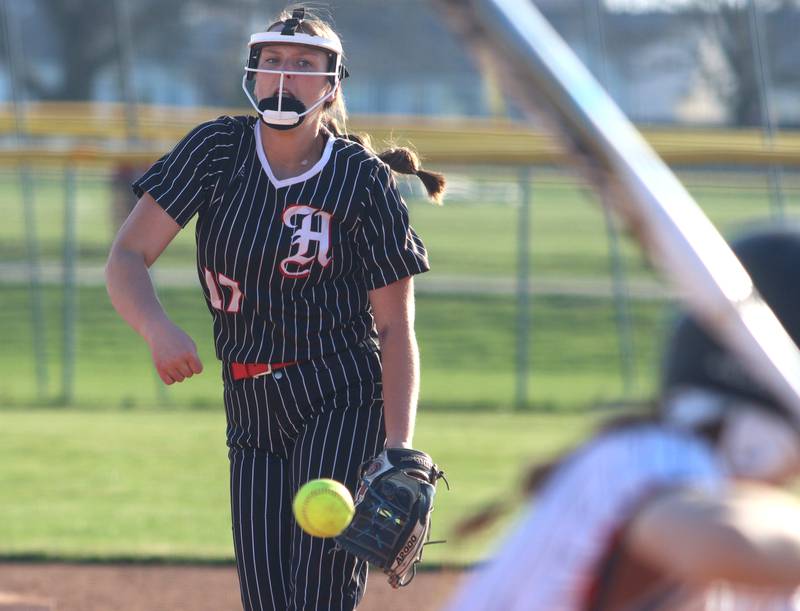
(245, 287)
(253, 534)
(188, 181)
(316, 474)
(241, 560)
(259, 276)
(306, 280)
(218, 339)
(333, 469)
(269, 574)
(231, 271)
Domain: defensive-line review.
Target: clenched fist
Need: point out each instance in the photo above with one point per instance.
(174, 353)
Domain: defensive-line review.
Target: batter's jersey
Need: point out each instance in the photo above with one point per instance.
(286, 265)
(551, 559)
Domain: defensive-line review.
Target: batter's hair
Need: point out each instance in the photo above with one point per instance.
(402, 160)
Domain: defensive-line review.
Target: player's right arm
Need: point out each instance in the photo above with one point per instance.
(749, 536)
(140, 241)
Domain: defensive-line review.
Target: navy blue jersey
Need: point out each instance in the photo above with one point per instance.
(286, 265)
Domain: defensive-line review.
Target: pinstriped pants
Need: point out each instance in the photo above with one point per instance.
(321, 418)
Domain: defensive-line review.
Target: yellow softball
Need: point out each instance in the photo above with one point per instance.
(323, 507)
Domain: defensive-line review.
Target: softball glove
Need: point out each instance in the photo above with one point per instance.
(393, 507)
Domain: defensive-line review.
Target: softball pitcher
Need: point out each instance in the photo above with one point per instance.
(680, 510)
(306, 258)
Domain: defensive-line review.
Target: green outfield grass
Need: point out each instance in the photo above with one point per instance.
(119, 478)
(153, 484)
(468, 343)
(467, 348)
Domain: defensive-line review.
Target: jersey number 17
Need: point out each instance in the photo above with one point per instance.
(215, 291)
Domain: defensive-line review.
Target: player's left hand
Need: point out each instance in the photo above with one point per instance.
(392, 520)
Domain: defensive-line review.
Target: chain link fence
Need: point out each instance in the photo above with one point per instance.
(534, 299)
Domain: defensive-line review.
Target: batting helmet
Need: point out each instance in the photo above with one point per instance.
(694, 360)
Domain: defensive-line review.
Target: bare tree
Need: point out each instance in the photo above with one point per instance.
(79, 38)
(734, 72)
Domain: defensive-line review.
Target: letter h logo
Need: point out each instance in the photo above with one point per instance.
(300, 218)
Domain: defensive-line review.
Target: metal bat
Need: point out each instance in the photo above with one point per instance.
(546, 78)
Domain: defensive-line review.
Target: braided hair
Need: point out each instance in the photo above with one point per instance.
(400, 159)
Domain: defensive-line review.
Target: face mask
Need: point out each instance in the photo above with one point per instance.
(290, 114)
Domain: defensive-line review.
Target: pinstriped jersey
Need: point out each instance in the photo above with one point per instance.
(552, 558)
(286, 265)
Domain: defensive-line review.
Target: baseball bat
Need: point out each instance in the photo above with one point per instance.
(548, 81)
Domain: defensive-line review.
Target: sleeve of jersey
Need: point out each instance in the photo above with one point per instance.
(391, 248)
(183, 181)
(550, 558)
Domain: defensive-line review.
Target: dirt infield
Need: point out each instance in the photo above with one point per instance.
(70, 587)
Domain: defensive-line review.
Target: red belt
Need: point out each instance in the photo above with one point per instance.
(239, 371)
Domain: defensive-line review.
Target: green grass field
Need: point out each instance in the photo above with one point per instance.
(119, 478)
(468, 343)
(153, 483)
(467, 349)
